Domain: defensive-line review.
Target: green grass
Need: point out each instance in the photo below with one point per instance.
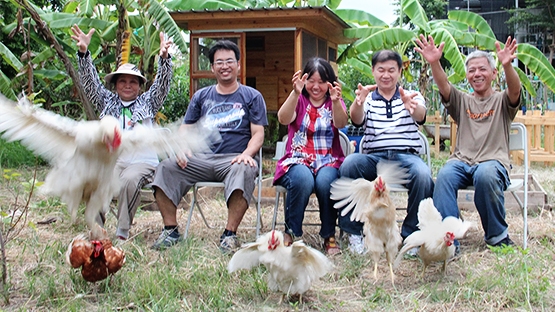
(192, 276)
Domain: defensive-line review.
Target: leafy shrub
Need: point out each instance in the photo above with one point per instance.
(13, 155)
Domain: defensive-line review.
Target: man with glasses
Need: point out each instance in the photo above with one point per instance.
(239, 113)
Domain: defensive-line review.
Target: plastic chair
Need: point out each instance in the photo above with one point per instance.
(195, 201)
(282, 191)
(518, 142)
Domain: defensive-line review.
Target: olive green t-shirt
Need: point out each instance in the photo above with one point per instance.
(483, 126)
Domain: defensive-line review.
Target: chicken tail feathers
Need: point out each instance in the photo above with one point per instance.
(457, 226)
(428, 214)
(401, 253)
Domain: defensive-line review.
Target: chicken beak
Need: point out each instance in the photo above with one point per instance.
(98, 248)
(449, 238)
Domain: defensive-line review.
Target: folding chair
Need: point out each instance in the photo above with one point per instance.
(282, 191)
(195, 201)
(518, 142)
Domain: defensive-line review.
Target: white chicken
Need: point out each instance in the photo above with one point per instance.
(291, 270)
(372, 205)
(435, 237)
(83, 154)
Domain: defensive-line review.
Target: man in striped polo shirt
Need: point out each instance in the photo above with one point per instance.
(390, 116)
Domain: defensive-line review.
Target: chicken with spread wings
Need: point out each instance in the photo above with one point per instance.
(291, 270)
(96, 256)
(83, 154)
(371, 204)
(436, 236)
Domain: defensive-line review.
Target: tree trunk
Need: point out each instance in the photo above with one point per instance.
(122, 27)
(47, 34)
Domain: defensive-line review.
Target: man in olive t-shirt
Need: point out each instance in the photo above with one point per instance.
(481, 155)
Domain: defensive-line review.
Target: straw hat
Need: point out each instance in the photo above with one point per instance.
(127, 69)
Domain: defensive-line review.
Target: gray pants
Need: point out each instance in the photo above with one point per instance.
(132, 178)
(176, 182)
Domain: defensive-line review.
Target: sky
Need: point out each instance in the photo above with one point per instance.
(382, 9)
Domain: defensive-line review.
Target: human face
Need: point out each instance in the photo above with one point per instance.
(480, 75)
(128, 87)
(386, 75)
(317, 88)
(225, 67)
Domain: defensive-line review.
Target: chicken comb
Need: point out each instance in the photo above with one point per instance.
(273, 242)
(117, 138)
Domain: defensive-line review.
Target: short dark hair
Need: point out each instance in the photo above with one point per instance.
(320, 65)
(387, 55)
(223, 45)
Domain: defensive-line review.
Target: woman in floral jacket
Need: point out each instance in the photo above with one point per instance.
(136, 169)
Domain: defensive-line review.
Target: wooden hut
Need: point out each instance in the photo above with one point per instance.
(274, 43)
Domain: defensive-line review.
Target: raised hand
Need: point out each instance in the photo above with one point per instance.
(335, 90)
(164, 45)
(362, 92)
(299, 83)
(507, 54)
(83, 40)
(408, 100)
(428, 49)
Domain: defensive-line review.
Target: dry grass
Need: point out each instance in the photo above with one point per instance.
(192, 275)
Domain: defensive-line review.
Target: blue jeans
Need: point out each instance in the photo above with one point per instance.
(300, 183)
(421, 184)
(490, 180)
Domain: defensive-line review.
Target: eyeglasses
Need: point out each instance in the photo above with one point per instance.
(228, 62)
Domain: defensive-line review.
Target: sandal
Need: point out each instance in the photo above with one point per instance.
(287, 239)
(331, 247)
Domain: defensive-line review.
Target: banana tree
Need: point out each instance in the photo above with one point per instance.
(374, 35)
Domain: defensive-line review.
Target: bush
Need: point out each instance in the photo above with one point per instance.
(14, 155)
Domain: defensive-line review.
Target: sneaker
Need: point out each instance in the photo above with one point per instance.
(167, 239)
(356, 244)
(228, 244)
(504, 242)
(413, 252)
(457, 250)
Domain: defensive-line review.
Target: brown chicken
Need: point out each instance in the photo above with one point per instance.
(96, 256)
(372, 205)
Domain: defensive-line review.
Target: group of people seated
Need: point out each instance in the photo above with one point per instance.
(313, 112)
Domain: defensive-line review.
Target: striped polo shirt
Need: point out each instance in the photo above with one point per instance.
(388, 125)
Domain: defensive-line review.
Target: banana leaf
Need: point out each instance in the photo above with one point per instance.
(384, 39)
(416, 13)
(473, 20)
(451, 53)
(525, 82)
(359, 17)
(536, 61)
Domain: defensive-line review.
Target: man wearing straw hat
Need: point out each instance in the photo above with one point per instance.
(136, 169)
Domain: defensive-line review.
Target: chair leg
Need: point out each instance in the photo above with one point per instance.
(259, 224)
(523, 205)
(274, 219)
(194, 203)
